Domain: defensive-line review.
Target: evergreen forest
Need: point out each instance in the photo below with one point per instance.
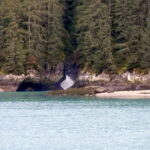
(98, 35)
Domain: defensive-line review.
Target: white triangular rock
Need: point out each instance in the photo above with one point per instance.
(67, 83)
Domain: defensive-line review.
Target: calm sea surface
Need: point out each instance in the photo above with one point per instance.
(33, 121)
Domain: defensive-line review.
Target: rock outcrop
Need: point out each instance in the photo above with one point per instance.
(32, 81)
(110, 83)
(135, 77)
(49, 79)
(93, 77)
(103, 82)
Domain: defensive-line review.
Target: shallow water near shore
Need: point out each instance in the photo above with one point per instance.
(34, 121)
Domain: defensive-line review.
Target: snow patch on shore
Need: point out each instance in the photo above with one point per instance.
(67, 83)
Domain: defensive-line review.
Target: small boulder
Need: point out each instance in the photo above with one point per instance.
(1, 90)
(101, 90)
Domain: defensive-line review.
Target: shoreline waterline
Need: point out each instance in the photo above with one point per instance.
(123, 95)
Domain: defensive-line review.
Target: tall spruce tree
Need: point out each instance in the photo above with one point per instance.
(94, 41)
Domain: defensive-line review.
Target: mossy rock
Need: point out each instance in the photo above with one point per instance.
(74, 92)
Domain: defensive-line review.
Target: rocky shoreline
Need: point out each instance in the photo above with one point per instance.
(110, 83)
(32, 81)
(108, 86)
(101, 83)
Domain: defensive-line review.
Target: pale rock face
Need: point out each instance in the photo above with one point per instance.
(131, 77)
(94, 77)
(14, 77)
(134, 77)
(67, 83)
(18, 78)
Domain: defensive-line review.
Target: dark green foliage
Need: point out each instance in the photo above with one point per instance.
(94, 41)
(129, 32)
(113, 34)
(32, 34)
(99, 35)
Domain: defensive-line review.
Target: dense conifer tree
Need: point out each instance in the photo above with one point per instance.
(104, 35)
(94, 41)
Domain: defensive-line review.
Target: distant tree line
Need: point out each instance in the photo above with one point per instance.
(99, 35)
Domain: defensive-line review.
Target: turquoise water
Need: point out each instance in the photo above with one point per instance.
(33, 121)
